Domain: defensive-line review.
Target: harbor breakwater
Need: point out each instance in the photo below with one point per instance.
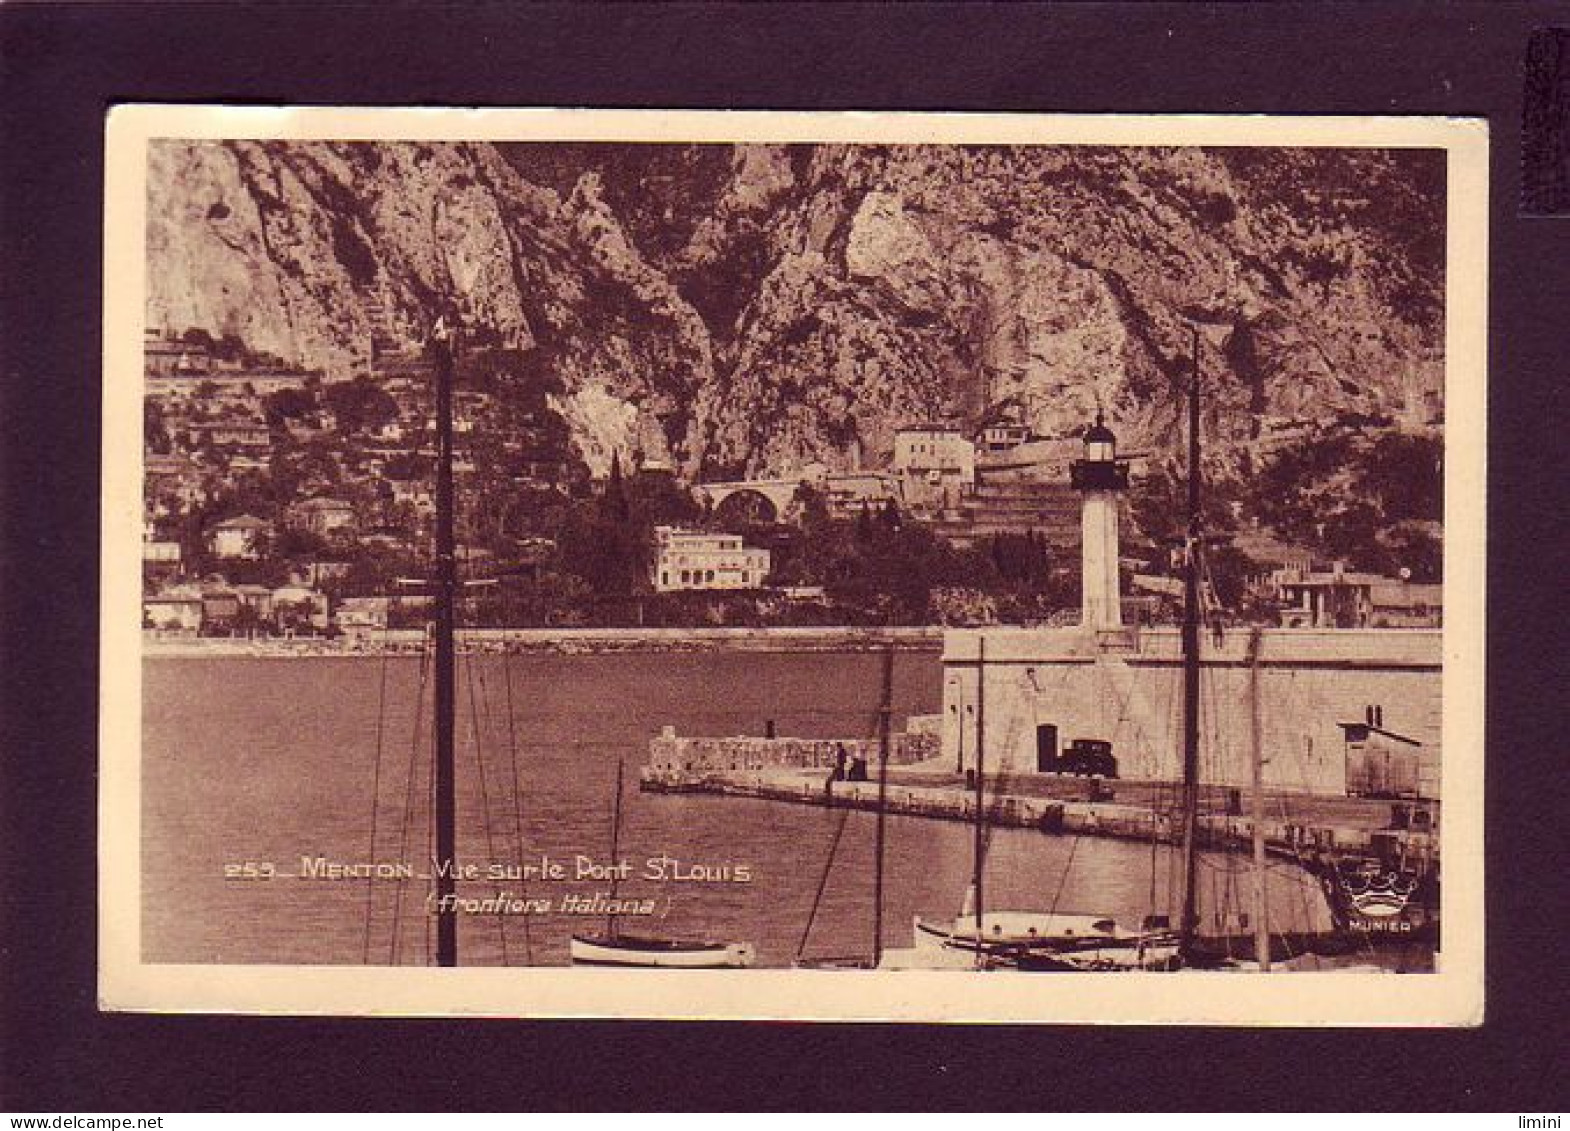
(676, 760)
(809, 772)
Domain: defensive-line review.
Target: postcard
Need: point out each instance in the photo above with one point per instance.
(813, 566)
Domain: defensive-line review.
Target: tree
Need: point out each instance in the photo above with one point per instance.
(1412, 547)
(865, 532)
(288, 404)
(606, 543)
(661, 500)
(615, 498)
(294, 616)
(247, 620)
(1231, 573)
(1406, 474)
(359, 404)
(296, 544)
(155, 433)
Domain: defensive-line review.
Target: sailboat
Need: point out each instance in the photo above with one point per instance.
(663, 953)
(1034, 940)
(442, 587)
(1053, 941)
(445, 802)
(614, 947)
(885, 714)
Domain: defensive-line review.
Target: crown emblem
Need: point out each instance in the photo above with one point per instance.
(1377, 893)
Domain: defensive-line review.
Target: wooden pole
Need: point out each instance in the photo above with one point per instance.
(445, 802)
(884, 722)
(610, 918)
(980, 760)
(1257, 782)
(1190, 919)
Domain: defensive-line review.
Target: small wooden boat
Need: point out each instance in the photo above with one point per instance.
(669, 954)
(613, 947)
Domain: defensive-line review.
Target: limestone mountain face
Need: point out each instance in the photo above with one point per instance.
(767, 307)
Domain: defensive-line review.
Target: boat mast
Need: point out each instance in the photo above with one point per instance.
(610, 917)
(981, 746)
(1257, 789)
(1190, 919)
(883, 797)
(446, 697)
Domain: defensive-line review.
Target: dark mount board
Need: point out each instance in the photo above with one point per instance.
(66, 64)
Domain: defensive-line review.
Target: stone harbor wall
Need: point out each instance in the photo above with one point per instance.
(1024, 689)
(671, 753)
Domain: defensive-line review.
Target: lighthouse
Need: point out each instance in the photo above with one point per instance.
(1099, 477)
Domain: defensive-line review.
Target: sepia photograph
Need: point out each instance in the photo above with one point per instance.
(794, 565)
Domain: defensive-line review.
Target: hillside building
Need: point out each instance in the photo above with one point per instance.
(238, 537)
(1342, 598)
(847, 494)
(935, 466)
(686, 560)
(323, 516)
(177, 611)
(164, 356)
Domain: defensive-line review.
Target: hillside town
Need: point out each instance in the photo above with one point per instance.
(285, 502)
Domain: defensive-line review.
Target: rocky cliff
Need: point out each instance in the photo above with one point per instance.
(771, 306)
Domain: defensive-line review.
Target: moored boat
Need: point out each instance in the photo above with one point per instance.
(613, 947)
(662, 953)
(1050, 941)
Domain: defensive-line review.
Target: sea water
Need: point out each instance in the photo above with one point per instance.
(286, 815)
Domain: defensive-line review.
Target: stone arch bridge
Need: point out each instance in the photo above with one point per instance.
(762, 500)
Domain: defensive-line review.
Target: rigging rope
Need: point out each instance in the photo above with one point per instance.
(376, 801)
(431, 853)
(1314, 868)
(485, 725)
(408, 807)
(517, 801)
(1063, 877)
(1161, 801)
(1122, 701)
(485, 795)
(1214, 765)
(823, 883)
(839, 827)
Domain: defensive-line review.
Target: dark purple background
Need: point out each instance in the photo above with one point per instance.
(62, 65)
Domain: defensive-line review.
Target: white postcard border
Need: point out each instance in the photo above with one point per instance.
(1453, 995)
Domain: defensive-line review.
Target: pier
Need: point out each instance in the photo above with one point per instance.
(1298, 826)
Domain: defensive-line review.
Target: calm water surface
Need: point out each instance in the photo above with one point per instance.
(267, 760)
